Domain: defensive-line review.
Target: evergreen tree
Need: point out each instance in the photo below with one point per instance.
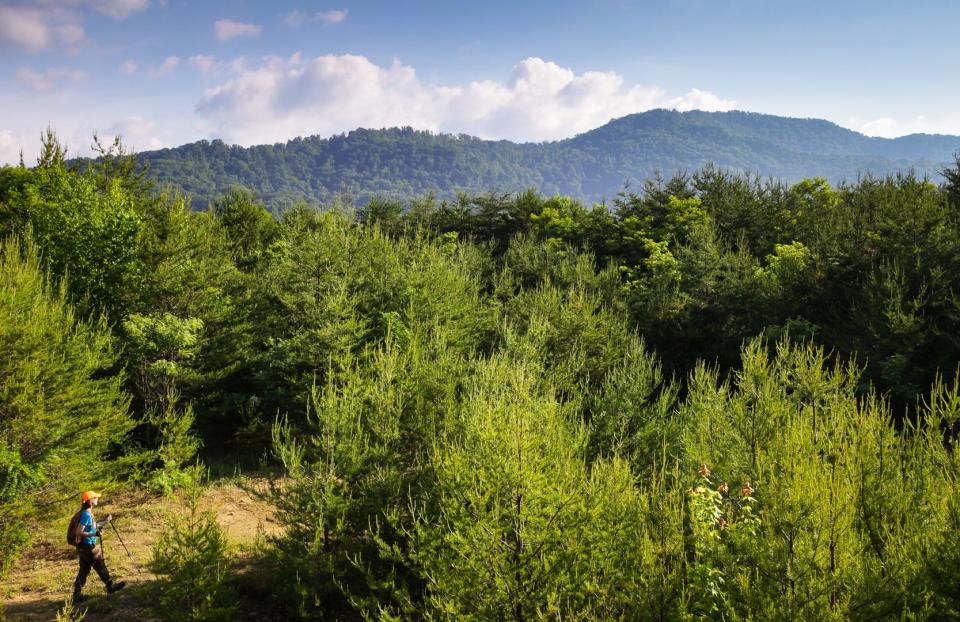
(62, 406)
(523, 529)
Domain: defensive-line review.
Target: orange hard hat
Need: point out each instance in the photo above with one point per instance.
(89, 495)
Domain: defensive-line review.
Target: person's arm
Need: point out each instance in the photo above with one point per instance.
(102, 523)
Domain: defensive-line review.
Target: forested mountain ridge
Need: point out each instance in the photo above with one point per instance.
(593, 166)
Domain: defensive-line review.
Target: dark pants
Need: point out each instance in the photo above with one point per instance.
(90, 557)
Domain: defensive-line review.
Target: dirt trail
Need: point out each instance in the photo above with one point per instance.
(44, 576)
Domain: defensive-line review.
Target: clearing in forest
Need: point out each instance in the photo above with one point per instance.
(43, 577)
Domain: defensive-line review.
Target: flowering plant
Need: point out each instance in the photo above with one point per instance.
(719, 520)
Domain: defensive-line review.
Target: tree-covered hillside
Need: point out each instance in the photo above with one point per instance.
(402, 163)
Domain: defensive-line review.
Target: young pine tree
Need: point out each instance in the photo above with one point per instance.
(191, 559)
(849, 517)
(62, 403)
(522, 529)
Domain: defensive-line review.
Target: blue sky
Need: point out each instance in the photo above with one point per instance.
(162, 73)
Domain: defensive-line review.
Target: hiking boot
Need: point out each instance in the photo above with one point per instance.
(116, 586)
(79, 598)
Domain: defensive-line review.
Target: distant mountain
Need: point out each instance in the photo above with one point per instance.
(400, 163)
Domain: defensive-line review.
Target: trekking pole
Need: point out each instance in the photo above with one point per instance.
(123, 544)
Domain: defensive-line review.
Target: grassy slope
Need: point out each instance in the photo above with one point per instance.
(36, 588)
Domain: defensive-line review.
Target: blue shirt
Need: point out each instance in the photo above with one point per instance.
(89, 526)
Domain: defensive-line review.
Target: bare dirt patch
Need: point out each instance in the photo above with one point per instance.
(43, 577)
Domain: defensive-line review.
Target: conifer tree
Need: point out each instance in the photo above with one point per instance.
(53, 154)
(61, 400)
(523, 529)
(846, 507)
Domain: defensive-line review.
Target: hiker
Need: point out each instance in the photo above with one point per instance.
(85, 534)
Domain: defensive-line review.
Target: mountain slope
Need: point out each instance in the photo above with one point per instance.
(401, 163)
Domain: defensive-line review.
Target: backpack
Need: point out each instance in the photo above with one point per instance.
(72, 538)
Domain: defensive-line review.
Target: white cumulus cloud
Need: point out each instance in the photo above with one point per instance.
(332, 17)
(228, 29)
(49, 79)
(279, 98)
(35, 27)
(884, 126)
(700, 100)
(891, 127)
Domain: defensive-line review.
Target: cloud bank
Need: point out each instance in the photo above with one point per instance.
(280, 98)
(138, 133)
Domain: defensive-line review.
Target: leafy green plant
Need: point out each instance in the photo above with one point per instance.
(720, 522)
(88, 234)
